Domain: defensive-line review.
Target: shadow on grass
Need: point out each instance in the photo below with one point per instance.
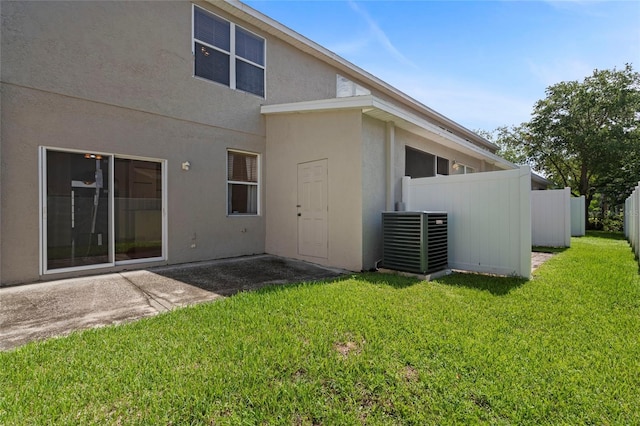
(375, 278)
(228, 277)
(606, 235)
(391, 280)
(498, 286)
(287, 286)
(554, 250)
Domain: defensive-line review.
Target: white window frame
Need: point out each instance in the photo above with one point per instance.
(435, 161)
(236, 182)
(42, 194)
(465, 169)
(448, 166)
(231, 53)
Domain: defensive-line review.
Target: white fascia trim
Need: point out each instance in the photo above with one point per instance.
(369, 103)
(333, 104)
(431, 128)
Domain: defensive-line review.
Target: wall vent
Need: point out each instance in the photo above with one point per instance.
(414, 241)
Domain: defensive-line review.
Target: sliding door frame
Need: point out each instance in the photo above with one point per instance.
(42, 208)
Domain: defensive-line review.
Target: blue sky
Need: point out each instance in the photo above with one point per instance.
(483, 64)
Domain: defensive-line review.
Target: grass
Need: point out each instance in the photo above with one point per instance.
(562, 348)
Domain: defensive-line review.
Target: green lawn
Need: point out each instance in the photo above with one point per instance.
(562, 348)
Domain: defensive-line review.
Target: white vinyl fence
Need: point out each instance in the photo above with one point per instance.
(632, 220)
(578, 225)
(551, 218)
(489, 218)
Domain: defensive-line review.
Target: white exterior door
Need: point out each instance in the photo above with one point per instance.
(312, 209)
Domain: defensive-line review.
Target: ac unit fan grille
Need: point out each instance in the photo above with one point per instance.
(414, 241)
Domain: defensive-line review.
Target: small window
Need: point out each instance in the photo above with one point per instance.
(443, 166)
(419, 163)
(461, 169)
(228, 54)
(242, 183)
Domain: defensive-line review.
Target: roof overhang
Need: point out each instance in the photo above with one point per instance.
(540, 180)
(402, 118)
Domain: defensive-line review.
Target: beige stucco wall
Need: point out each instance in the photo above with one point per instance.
(131, 54)
(298, 138)
(374, 184)
(294, 76)
(196, 198)
(117, 78)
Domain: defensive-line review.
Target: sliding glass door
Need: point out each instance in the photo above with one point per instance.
(100, 209)
(138, 209)
(77, 203)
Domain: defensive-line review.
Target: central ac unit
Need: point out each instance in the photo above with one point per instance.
(414, 241)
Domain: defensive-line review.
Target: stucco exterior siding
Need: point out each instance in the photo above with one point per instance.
(374, 183)
(117, 79)
(293, 76)
(196, 198)
(298, 138)
(136, 55)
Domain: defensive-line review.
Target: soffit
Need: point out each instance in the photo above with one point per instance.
(378, 109)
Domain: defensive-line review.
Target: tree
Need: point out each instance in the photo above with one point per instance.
(584, 135)
(509, 141)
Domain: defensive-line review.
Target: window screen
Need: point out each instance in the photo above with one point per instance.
(443, 166)
(249, 46)
(212, 64)
(419, 163)
(242, 182)
(249, 78)
(211, 29)
(239, 65)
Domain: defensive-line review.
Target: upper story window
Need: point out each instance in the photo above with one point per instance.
(420, 164)
(228, 54)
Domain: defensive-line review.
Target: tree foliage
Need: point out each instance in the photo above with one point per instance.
(583, 135)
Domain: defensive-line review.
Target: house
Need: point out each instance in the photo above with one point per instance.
(137, 134)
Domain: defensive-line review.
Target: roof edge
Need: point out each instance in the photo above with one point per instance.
(540, 179)
(331, 104)
(237, 8)
(368, 103)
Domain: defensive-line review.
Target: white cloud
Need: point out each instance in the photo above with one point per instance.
(465, 103)
(376, 36)
(550, 73)
(587, 7)
(478, 108)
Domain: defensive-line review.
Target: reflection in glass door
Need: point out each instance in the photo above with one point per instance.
(138, 209)
(87, 224)
(77, 221)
